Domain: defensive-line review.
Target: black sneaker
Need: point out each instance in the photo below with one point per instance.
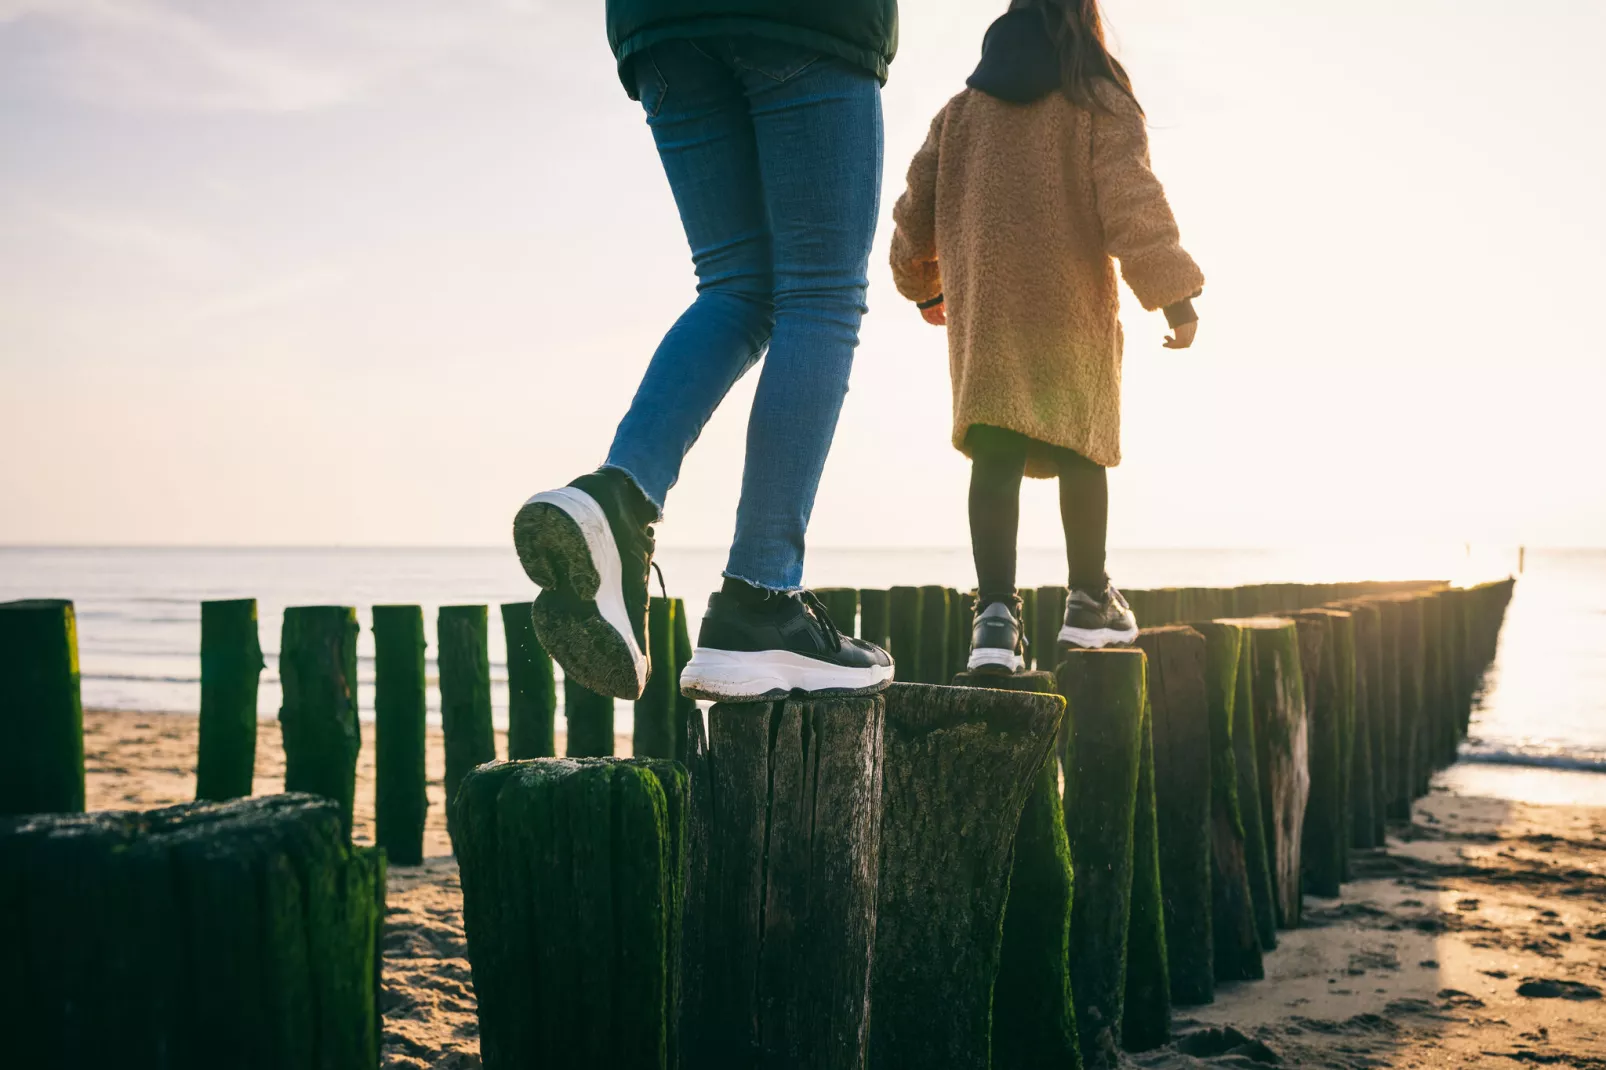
(996, 643)
(767, 648)
(589, 550)
(1098, 620)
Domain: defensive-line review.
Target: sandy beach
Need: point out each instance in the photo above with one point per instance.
(1476, 939)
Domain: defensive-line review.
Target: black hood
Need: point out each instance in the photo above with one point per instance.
(1018, 61)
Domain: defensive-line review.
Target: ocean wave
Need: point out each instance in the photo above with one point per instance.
(139, 678)
(1535, 758)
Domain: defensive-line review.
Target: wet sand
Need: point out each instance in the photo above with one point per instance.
(1476, 939)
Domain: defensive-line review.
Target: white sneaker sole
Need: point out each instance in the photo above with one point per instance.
(770, 675)
(609, 595)
(1096, 638)
(989, 657)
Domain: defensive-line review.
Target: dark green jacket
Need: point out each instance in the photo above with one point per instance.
(863, 32)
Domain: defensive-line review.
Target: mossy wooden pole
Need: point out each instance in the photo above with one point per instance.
(1235, 944)
(654, 733)
(1246, 755)
(1330, 694)
(843, 605)
(532, 690)
(572, 891)
(1034, 1018)
(41, 717)
(318, 673)
(960, 763)
(589, 717)
(231, 666)
(875, 620)
(1146, 1004)
(904, 625)
(1104, 694)
(785, 843)
(463, 655)
(165, 937)
(933, 636)
(1179, 707)
(685, 708)
(1282, 739)
(400, 801)
(1409, 666)
(961, 615)
(1028, 619)
(1390, 616)
(1366, 814)
(1050, 613)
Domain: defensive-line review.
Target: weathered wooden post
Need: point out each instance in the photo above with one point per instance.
(41, 719)
(960, 763)
(1387, 770)
(1049, 609)
(961, 614)
(843, 605)
(1034, 1018)
(463, 656)
(532, 689)
(933, 636)
(1366, 804)
(875, 620)
(318, 674)
(589, 717)
(1179, 708)
(685, 707)
(1282, 739)
(1104, 694)
(166, 937)
(1028, 620)
(654, 733)
(1235, 944)
(400, 705)
(785, 834)
(904, 623)
(1409, 662)
(1146, 1003)
(1330, 699)
(572, 890)
(231, 665)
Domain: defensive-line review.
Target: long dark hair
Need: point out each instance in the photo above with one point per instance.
(1077, 29)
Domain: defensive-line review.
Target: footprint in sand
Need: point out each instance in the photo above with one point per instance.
(1547, 988)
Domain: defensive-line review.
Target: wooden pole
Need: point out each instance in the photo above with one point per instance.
(960, 763)
(165, 937)
(1104, 694)
(400, 801)
(231, 665)
(41, 719)
(1282, 739)
(1366, 809)
(463, 655)
(654, 734)
(1390, 616)
(843, 605)
(572, 891)
(875, 621)
(905, 622)
(1330, 694)
(1179, 708)
(933, 636)
(1409, 663)
(785, 837)
(532, 690)
(318, 673)
(1146, 1004)
(1034, 1018)
(590, 721)
(1235, 945)
(685, 707)
(1028, 619)
(1050, 613)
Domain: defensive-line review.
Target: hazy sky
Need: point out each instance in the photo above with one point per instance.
(372, 272)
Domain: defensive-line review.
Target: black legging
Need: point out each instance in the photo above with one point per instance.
(998, 461)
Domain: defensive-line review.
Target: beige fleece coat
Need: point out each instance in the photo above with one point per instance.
(1012, 214)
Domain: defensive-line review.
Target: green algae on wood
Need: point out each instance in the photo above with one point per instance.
(784, 834)
(654, 730)
(1180, 728)
(1146, 1005)
(231, 668)
(1034, 1018)
(960, 764)
(1365, 795)
(532, 689)
(1330, 700)
(589, 717)
(572, 893)
(41, 715)
(318, 718)
(1282, 742)
(463, 656)
(1104, 694)
(400, 801)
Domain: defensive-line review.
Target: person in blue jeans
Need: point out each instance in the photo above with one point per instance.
(768, 121)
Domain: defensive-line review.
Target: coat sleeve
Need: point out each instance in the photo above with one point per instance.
(914, 239)
(1139, 229)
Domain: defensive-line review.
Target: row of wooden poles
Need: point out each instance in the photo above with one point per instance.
(745, 895)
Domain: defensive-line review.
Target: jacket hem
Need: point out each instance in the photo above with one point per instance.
(735, 26)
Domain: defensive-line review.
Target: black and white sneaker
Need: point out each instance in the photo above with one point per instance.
(761, 649)
(589, 550)
(1098, 620)
(996, 643)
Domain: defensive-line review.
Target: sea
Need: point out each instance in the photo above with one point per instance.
(1538, 732)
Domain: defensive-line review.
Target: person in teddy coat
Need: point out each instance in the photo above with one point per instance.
(1032, 180)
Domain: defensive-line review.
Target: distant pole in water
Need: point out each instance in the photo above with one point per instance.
(1522, 558)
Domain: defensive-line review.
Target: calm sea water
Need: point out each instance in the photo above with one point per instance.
(139, 613)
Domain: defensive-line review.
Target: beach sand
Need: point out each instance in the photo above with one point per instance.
(1477, 939)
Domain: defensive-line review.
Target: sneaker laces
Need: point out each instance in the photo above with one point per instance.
(816, 607)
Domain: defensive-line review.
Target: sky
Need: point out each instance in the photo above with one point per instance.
(371, 273)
